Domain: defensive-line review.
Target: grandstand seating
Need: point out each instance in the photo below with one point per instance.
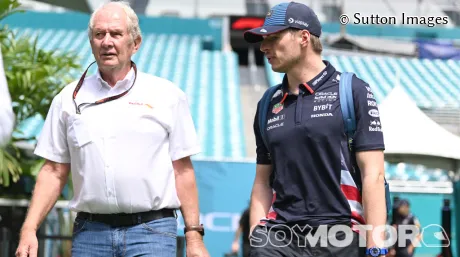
(209, 78)
(413, 172)
(431, 83)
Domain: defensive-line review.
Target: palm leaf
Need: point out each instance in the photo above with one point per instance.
(9, 166)
(8, 8)
(34, 77)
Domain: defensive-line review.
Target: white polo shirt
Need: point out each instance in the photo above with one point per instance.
(121, 151)
(7, 118)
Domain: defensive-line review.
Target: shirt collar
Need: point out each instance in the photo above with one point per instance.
(314, 83)
(121, 84)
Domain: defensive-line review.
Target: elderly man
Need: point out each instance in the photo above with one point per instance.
(127, 137)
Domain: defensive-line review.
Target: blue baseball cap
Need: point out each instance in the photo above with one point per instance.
(284, 16)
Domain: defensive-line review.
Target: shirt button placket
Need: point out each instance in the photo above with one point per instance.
(109, 147)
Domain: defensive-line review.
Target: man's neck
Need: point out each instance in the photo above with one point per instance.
(115, 75)
(304, 71)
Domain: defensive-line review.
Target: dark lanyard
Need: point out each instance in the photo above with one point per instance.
(104, 100)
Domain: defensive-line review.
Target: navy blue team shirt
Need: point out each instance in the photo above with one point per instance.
(314, 180)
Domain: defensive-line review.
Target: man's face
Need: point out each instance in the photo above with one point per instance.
(111, 42)
(404, 210)
(282, 50)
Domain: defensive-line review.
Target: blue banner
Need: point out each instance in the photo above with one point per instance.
(437, 50)
(224, 193)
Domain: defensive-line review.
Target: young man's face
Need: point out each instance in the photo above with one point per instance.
(111, 42)
(282, 50)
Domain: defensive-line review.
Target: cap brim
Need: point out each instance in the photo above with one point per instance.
(257, 34)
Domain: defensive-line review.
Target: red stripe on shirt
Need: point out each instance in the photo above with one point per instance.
(351, 193)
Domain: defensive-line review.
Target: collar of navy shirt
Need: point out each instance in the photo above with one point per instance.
(314, 84)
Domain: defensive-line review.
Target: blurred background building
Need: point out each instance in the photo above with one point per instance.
(414, 72)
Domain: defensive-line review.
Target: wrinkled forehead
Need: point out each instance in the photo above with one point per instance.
(110, 16)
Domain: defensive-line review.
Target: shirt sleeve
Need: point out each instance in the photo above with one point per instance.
(52, 141)
(183, 137)
(263, 155)
(7, 118)
(369, 135)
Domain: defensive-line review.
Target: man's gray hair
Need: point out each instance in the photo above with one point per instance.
(132, 19)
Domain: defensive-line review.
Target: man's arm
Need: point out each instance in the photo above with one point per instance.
(369, 145)
(371, 164)
(188, 195)
(50, 182)
(236, 239)
(262, 194)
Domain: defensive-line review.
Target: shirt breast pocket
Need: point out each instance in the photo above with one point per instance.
(78, 132)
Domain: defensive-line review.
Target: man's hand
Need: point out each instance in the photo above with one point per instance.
(28, 244)
(235, 247)
(50, 181)
(196, 248)
(392, 253)
(261, 196)
(410, 249)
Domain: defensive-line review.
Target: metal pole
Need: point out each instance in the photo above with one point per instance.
(252, 66)
(5, 240)
(456, 198)
(447, 225)
(180, 246)
(41, 242)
